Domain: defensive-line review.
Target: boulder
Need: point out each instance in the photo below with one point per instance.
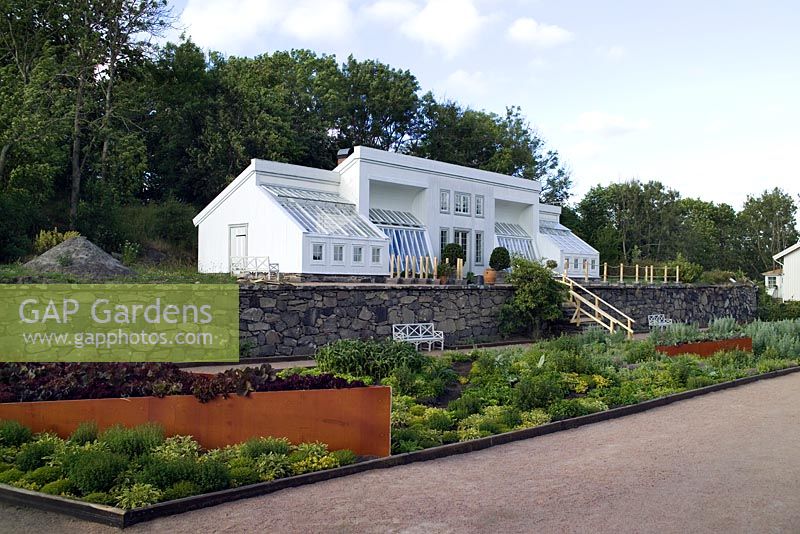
(79, 257)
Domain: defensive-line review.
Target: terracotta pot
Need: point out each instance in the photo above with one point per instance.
(707, 348)
(354, 418)
(443, 280)
(490, 276)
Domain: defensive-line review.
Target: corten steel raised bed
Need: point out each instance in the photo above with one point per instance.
(707, 348)
(354, 418)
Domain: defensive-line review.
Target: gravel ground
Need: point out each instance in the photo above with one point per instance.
(724, 462)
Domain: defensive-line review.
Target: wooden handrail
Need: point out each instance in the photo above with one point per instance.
(610, 318)
(571, 282)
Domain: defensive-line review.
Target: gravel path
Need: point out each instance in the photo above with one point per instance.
(724, 462)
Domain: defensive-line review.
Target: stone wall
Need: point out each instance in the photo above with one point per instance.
(293, 321)
(290, 320)
(683, 303)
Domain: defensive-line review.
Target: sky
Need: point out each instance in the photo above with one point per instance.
(700, 95)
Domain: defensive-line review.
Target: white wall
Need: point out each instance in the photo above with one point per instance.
(790, 289)
(347, 266)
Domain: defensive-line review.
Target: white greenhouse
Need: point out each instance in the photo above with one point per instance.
(373, 206)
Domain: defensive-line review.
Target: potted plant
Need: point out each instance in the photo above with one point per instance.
(445, 271)
(499, 260)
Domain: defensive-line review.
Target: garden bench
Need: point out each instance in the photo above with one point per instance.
(658, 320)
(418, 334)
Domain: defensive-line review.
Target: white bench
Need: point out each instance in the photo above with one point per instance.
(255, 265)
(658, 320)
(418, 334)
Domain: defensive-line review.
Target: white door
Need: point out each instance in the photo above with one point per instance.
(237, 244)
(462, 238)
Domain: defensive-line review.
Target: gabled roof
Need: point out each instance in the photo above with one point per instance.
(786, 252)
(773, 272)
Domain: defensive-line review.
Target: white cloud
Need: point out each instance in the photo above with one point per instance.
(324, 20)
(605, 124)
(240, 26)
(585, 150)
(449, 25)
(613, 53)
(527, 31)
(391, 10)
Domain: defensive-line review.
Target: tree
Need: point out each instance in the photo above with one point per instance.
(377, 105)
(537, 298)
(766, 226)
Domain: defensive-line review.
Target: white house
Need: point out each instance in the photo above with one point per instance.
(773, 282)
(376, 204)
(784, 283)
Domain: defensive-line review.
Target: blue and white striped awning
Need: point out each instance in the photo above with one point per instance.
(407, 235)
(515, 239)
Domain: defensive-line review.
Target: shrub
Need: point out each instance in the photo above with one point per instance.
(61, 486)
(94, 470)
(84, 433)
(99, 497)
(689, 272)
(259, 446)
(212, 476)
(13, 434)
(47, 239)
(11, 475)
(137, 496)
(180, 490)
(243, 476)
(538, 391)
(34, 454)
(5, 466)
(564, 409)
(345, 456)
(533, 418)
(163, 473)
(177, 447)
(717, 276)
(452, 252)
(133, 442)
(500, 259)
(537, 298)
(44, 475)
(314, 463)
(377, 359)
(272, 466)
(492, 420)
(130, 252)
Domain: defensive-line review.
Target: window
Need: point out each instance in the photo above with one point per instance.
(478, 205)
(444, 201)
(462, 204)
(575, 263)
(317, 250)
(462, 238)
(376, 254)
(338, 253)
(594, 263)
(772, 281)
(444, 239)
(358, 254)
(478, 243)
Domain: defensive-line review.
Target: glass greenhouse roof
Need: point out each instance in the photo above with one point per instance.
(564, 239)
(407, 235)
(394, 218)
(515, 239)
(322, 213)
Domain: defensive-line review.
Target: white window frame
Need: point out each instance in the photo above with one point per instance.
(478, 248)
(333, 253)
(466, 245)
(359, 248)
(322, 252)
(576, 263)
(594, 264)
(372, 255)
(457, 204)
(446, 241)
(444, 195)
(480, 201)
(772, 281)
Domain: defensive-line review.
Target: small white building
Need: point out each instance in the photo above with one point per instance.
(773, 282)
(374, 205)
(784, 283)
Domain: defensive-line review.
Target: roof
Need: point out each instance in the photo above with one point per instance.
(786, 252)
(323, 213)
(510, 230)
(394, 218)
(564, 239)
(773, 272)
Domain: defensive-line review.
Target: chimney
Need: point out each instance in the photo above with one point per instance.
(343, 154)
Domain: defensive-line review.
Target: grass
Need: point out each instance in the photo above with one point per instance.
(16, 273)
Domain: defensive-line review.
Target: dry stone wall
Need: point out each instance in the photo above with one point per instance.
(290, 320)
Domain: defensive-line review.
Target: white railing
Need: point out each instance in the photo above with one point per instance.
(254, 265)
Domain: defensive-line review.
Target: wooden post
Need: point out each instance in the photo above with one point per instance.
(665, 273)
(391, 266)
(678, 274)
(652, 274)
(621, 272)
(427, 266)
(435, 267)
(597, 307)
(605, 271)
(566, 266)
(408, 266)
(459, 268)
(585, 270)
(637, 273)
